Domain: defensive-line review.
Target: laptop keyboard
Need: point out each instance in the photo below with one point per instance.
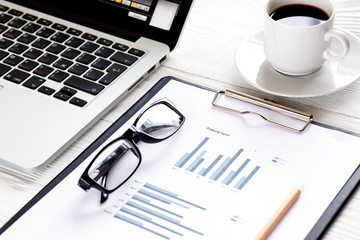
(35, 51)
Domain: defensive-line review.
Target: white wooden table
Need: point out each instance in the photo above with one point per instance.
(205, 55)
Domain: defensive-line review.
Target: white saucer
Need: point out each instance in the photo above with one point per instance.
(331, 77)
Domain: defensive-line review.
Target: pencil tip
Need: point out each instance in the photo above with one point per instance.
(300, 186)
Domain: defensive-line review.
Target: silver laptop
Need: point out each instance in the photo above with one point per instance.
(65, 63)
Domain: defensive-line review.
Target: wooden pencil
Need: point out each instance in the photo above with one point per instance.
(279, 214)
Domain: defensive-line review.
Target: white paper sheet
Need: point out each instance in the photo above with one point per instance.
(207, 197)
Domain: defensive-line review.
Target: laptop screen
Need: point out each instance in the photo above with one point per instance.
(161, 20)
(159, 14)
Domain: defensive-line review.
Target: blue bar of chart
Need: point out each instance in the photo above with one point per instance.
(159, 212)
(234, 174)
(224, 166)
(187, 156)
(218, 169)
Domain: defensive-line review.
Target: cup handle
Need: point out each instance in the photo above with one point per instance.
(342, 38)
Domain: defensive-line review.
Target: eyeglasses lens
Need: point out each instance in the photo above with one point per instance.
(159, 121)
(115, 164)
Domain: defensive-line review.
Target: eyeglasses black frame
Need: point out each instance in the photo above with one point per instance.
(131, 136)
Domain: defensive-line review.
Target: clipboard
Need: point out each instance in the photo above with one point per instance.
(316, 232)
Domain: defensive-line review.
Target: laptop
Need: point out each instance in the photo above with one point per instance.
(65, 63)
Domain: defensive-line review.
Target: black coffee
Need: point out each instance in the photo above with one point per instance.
(299, 15)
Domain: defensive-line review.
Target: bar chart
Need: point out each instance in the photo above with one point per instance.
(227, 170)
(217, 180)
(160, 212)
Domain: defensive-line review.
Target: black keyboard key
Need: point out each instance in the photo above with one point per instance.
(70, 53)
(120, 47)
(44, 22)
(74, 32)
(3, 28)
(104, 41)
(74, 42)
(89, 36)
(78, 102)
(113, 72)
(28, 65)
(3, 54)
(60, 37)
(86, 58)
(59, 27)
(48, 58)
(34, 82)
(46, 90)
(12, 33)
(4, 69)
(31, 27)
(15, 12)
(26, 38)
(93, 74)
(89, 47)
(116, 67)
(3, 8)
(78, 69)
(62, 63)
(123, 58)
(84, 85)
(4, 18)
(55, 48)
(45, 32)
(17, 23)
(43, 70)
(58, 76)
(68, 91)
(101, 64)
(30, 17)
(16, 76)
(61, 96)
(33, 53)
(104, 52)
(41, 43)
(18, 48)
(13, 60)
(5, 43)
(136, 52)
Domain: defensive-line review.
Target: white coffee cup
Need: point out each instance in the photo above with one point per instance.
(301, 50)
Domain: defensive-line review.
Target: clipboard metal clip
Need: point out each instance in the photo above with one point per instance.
(304, 118)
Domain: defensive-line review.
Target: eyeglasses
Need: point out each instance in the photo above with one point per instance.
(115, 163)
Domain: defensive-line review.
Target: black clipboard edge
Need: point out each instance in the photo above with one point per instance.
(341, 199)
(318, 230)
(87, 152)
(338, 203)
